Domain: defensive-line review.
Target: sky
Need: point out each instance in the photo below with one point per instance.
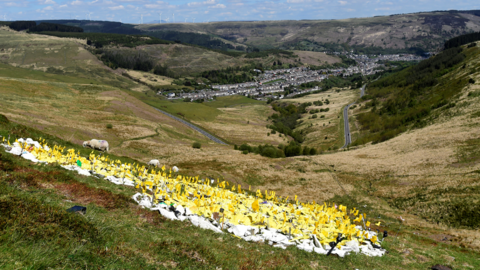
(132, 11)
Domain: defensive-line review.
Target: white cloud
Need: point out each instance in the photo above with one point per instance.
(117, 7)
(384, 8)
(48, 8)
(46, 2)
(76, 3)
(225, 13)
(350, 9)
(208, 2)
(63, 6)
(93, 2)
(295, 1)
(218, 6)
(343, 3)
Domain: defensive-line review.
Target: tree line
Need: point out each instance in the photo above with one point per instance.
(285, 120)
(32, 26)
(290, 150)
(100, 40)
(203, 40)
(53, 27)
(132, 59)
(22, 25)
(232, 75)
(461, 40)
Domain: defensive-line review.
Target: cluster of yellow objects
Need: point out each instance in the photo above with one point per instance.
(220, 199)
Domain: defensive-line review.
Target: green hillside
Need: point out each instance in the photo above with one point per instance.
(415, 96)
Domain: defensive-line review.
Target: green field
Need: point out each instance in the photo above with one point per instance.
(232, 101)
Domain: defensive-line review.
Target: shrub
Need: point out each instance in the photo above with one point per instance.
(109, 126)
(197, 145)
(245, 152)
(4, 119)
(314, 116)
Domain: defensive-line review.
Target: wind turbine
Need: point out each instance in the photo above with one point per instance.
(90, 17)
(160, 18)
(173, 21)
(185, 20)
(141, 19)
(193, 20)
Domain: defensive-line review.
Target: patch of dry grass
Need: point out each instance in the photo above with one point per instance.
(149, 78)
(244, 124)
(316, 58)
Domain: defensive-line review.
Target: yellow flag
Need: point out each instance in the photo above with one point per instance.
(255, 206)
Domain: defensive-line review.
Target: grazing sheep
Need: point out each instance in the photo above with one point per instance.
(175, 169)
(154, 162)
(97, 144)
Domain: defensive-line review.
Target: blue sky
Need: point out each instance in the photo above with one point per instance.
(131, 11)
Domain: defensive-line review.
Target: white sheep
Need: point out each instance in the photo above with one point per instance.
(154, 162)
(96, 144)
(175, 169)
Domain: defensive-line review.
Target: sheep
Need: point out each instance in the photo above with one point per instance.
(154, 162)
(97, 144)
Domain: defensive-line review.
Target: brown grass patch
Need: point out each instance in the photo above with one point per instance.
(82, 193)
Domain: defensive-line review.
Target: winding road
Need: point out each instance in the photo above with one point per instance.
(348, 139)
(208, 135)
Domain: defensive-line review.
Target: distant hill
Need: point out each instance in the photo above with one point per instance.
(394, 33)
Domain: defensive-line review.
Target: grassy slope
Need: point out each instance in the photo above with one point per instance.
(115, 233)
(229, 118)
(325, 133)
(401, 107)
(75, 109)
(56, 56)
